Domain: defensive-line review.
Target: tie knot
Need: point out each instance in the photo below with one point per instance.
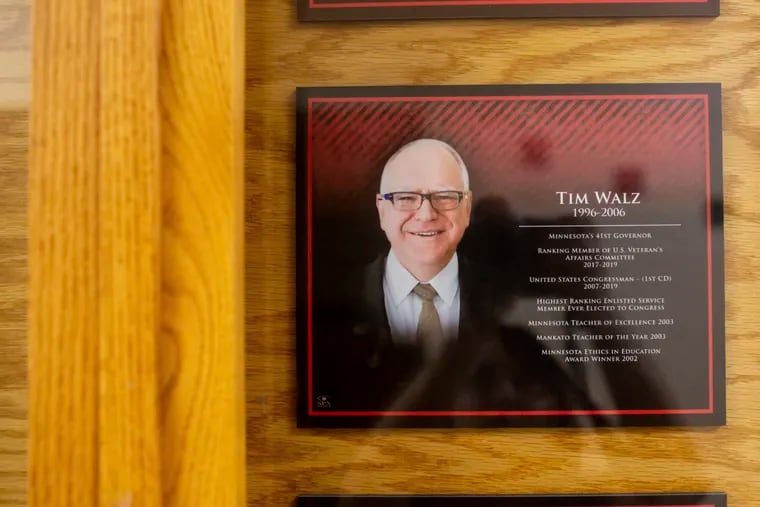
(425, 291)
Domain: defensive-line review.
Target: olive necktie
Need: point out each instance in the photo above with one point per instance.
(429, 329)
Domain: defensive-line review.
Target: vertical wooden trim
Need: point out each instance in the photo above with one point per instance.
(136, 238)
(201, 349)
(129, 236)
(63, 255)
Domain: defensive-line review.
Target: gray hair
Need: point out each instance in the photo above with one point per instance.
(435, 142)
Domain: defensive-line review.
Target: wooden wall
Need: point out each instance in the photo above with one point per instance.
(136, 355)
(14, 123)
(138, 253)
(283, 54)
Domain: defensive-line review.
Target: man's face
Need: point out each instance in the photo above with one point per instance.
(425, 239)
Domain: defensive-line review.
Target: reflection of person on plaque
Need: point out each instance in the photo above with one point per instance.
(428, 336)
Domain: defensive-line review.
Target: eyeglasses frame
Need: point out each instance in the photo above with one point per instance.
(463, 195)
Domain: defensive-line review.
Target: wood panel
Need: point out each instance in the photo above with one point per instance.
(283, 54)
(14, 122)
(63, 259)
(14, 53)
(13, 276)
(128, 236)
(136, 194)
(201, 349)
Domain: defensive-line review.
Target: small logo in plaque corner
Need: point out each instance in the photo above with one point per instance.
(323, 401)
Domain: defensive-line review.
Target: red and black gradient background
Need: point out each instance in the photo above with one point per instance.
(509, 143)
(522, 144)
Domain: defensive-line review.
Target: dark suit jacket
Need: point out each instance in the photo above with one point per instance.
(489, 367)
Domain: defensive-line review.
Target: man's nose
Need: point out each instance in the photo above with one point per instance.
(426, 211)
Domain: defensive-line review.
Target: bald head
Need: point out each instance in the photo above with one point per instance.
(416, 156)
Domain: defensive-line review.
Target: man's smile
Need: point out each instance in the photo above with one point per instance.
(426, 234)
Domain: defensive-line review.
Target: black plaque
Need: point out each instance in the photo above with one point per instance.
(586, 287)
(650, 500)
(331, 10)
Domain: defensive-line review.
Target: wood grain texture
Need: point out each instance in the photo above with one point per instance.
(13, 300)
(128, 217)
(136, 195)
(284, 54)
(14, 123)
(15, 57)
(201, 349)
(63, 257)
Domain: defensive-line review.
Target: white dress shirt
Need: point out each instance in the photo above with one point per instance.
(403, 306)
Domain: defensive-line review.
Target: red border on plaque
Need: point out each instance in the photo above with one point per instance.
(523, 413)
(438, 3)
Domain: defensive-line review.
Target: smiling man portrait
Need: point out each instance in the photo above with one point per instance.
(419, 328)
(424, 207)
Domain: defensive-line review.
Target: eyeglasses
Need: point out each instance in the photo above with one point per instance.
(412, 201)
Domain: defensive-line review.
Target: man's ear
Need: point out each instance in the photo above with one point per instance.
(468, 206)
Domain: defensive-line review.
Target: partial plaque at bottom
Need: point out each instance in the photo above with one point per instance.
(649, 500)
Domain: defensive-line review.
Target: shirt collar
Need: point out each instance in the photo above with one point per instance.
(401, 282)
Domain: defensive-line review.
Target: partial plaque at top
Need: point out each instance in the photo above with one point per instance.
(510, 256)
(333, 10)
